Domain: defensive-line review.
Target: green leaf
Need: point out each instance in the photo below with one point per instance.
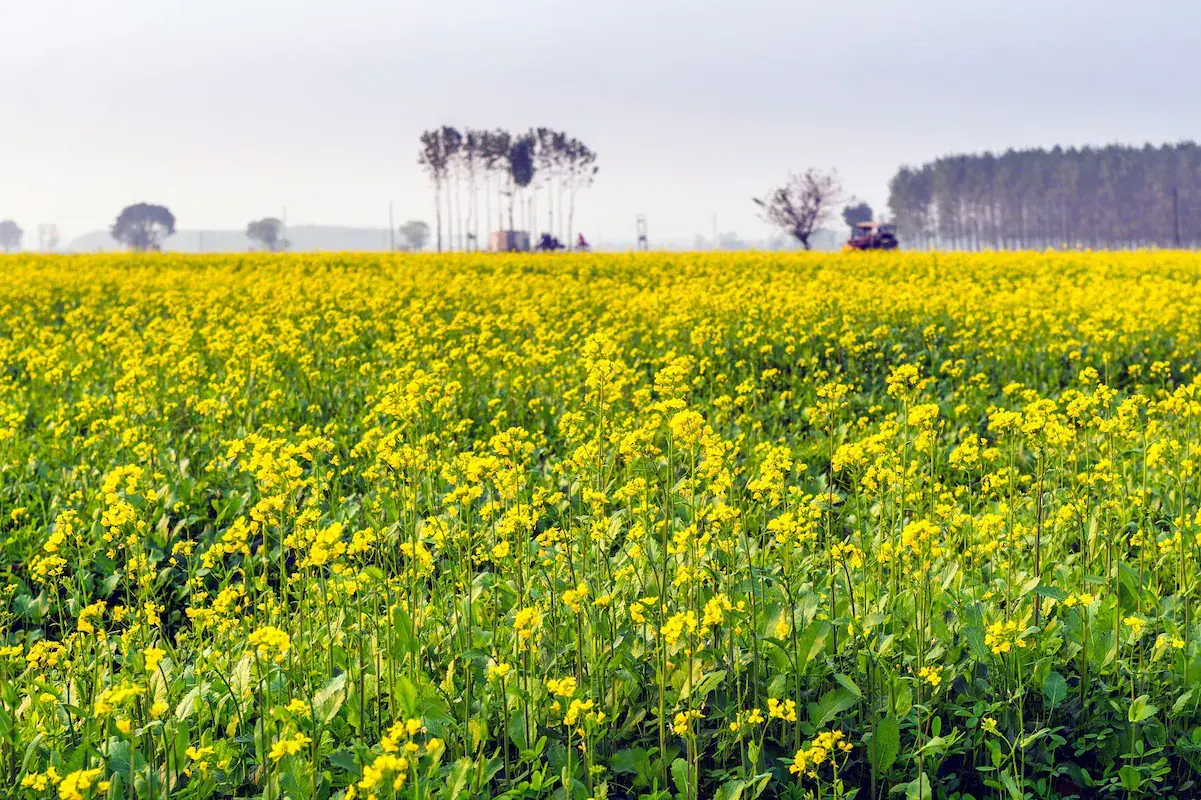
(119, 755)
(406, 693)
(457, 779)
(994, 750)
(1181, 702)
(345, 761)
(294, 778)
(918, 789)
(679, 776)
(518, 734)
(1054, 592)
(627, 760)
(903, 700)
(1128, 587)
(1011, 786)
(182, 739)
(934, 746)
(757, 784)
(811, 643)
(329, 698)
(1055, 688)
(850, 685)
(975, 641)
(187, 703)
(1026, 741)
(730, 790)
(1131, 778)
(635, 760)
(402, 627)
(706, 684)
(886, 743)
(832, 703)
(239, 679)
(1141, 709)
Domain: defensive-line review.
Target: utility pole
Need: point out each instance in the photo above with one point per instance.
(391, 230)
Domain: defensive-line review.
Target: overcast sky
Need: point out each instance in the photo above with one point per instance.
(227, 110)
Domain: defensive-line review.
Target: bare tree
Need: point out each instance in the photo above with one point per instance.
(804, 204)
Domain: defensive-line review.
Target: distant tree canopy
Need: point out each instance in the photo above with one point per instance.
(10, 235)
(803, 204)
(1108, 197)
(515, 170)
(143, 226)
(269, 233)
(856, 212)
(415, 234)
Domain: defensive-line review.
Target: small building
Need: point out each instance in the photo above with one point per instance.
(511, 241)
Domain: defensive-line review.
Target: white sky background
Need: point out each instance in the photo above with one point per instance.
(228, 110)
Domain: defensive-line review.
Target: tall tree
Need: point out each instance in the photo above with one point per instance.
(143, 226)
(521, 169)
(855, 212)
(548, 161)
(452, 143)
(551, 159)
(10, 235)
(803, 204)
(496, 146)
(471, 154)
(269, 233)
(433, 157)
(582, 169)
(1114, 196)
(415, 234)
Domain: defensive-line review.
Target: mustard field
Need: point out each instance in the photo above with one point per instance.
(668, 527)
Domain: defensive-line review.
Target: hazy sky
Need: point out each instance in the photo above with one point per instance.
(227, 110)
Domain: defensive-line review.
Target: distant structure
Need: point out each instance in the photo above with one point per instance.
(511, 241)
(642, 244)
(872, 236)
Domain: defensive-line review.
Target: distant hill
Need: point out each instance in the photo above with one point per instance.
(302, 237)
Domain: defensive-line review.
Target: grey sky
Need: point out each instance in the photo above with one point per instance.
(226, 110)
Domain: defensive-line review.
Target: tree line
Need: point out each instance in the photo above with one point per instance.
(509, 171)
(1110, 197)
(142, 227)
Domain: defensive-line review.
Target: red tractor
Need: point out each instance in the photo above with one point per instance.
(872, 236)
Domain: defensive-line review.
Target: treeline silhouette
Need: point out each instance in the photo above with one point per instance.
(1113, 197)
